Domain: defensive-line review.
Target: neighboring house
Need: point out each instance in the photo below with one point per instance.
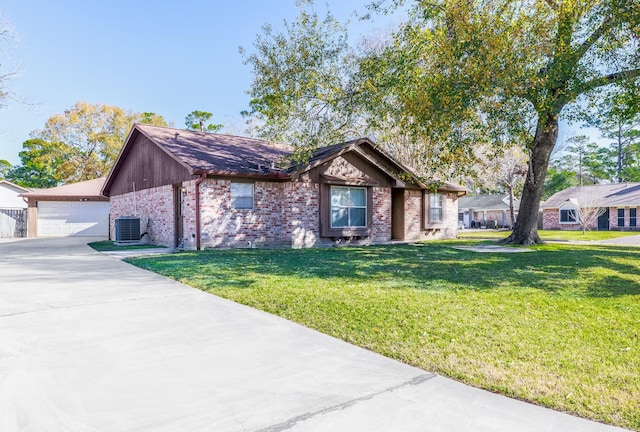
(196, 190)
(486, 211)
(76, 209)
(620, 202)
(13, 210)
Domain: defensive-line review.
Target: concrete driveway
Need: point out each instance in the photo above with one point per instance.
(90, 343)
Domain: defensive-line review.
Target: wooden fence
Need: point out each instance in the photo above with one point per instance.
(13, 223)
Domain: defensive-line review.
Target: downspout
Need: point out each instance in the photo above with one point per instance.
(203, 176)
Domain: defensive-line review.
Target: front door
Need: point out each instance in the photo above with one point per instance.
(178, 216)
(397, 214)
(603, 221)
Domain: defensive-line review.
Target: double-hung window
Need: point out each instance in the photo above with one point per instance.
(242, 196)
(436, 214)
(568, 216)
(348, 207)
(633, 221)
(620, 217)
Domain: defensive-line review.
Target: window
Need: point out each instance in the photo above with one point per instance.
(242, 196)
(621, 217)
(435, 208)
(632, 217)
(348, 207)
(568, 216)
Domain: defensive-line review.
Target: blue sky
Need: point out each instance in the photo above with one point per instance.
(167, 57)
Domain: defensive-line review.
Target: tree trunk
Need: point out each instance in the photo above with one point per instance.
(512, 213)
(525, 231)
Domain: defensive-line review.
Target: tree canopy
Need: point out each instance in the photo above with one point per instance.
(483, 69)
(302, 85)
(457, 74)
(201, 120)
(80, 144)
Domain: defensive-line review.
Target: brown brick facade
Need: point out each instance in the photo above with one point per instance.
(284, 214)
(414, 217)
(551, 220)
(155, 209)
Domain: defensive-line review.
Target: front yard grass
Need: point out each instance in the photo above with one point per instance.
(548, 235)
(558, 326)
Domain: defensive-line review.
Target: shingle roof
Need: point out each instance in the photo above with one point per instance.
(606, 195)
(487, 202)
(14, 186)
(84, 189)
(227, 155)
(217, 153)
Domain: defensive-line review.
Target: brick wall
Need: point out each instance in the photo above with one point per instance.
(155, 209)
(381, 226)
(301, 214)
(283, 214)
(413, 208)
(551, 221)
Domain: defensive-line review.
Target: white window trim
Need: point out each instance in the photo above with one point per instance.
(442, 205)
(331, 207)
(573, 222)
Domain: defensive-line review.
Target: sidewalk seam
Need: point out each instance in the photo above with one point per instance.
(288, 424)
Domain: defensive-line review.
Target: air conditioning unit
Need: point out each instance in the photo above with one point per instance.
(127, 229)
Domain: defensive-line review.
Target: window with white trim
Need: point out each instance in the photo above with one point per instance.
(568, 216)
(435, 212)
(242, 196)
(633, 217)
(348, 207)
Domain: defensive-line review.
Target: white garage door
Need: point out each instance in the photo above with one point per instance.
(73, 218)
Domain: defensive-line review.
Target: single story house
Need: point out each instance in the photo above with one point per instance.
(619, 201)
(490, 210)
(13, 210)
(194, 190)
(76, 209)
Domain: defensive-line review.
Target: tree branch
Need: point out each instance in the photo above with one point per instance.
(552, 4)
(592, 39)
(611, 78)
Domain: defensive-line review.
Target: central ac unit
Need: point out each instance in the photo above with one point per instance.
(127, 229)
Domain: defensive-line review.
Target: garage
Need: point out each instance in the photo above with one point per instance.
(73, 218)
(76, 209)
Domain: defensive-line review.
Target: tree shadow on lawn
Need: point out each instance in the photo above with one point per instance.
(575, 271)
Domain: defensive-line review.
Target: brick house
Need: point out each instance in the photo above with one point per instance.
(619, 201)
(198, 190)
(491, 210)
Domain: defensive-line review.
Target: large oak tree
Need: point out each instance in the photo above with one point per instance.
(480, 68)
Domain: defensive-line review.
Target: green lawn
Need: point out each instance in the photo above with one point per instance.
(558, 326)
(558, 235)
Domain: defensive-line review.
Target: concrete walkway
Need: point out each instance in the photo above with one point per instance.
(90, 343)
(633, 240)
